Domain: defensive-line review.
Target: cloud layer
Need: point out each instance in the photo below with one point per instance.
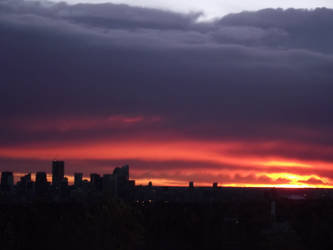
(255, 86)
(214, 8)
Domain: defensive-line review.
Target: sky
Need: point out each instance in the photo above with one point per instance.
(244, 99)
(214, 8)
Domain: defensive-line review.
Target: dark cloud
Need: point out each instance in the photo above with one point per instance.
(253, 76)
(296, 28)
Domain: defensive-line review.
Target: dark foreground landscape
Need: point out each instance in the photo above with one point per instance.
(112, 212)
(105, 223)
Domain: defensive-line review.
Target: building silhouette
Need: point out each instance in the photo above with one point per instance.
(58, 173)
(78, 179)
(41, 184)
(41, 178)
(95, 181)
(116, 184)
(121, 176)
(122, 173)
(109, 183)
(26, 178)
(25, 184)
(7, 181)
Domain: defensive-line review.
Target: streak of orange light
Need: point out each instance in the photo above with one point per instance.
(284, 164)
(152, 152)
(170, 182)
(182, 150)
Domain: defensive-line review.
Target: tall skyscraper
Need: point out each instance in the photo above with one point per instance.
(121, 175)
(58, 172)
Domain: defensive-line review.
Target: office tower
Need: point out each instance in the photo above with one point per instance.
(25, 184)
(122, 180)
(58, 172)
(41, 178)
(78, 179)
(96, 181)
(41, 184)
(7, 181)
(122, 173)
(94, 178)
(25, 180)
(109, 183)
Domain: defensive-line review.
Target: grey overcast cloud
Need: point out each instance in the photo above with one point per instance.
(214, 8)
(243, 99)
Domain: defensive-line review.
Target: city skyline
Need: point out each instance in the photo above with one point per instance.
(52, 176)
(86, 176)
(243, 100)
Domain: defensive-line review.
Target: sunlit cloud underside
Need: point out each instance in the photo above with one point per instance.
(175, 163)
(213, 8)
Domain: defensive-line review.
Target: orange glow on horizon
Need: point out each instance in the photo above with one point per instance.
(294, 181)
(155, 151)
(190, 151)
(284, 164)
